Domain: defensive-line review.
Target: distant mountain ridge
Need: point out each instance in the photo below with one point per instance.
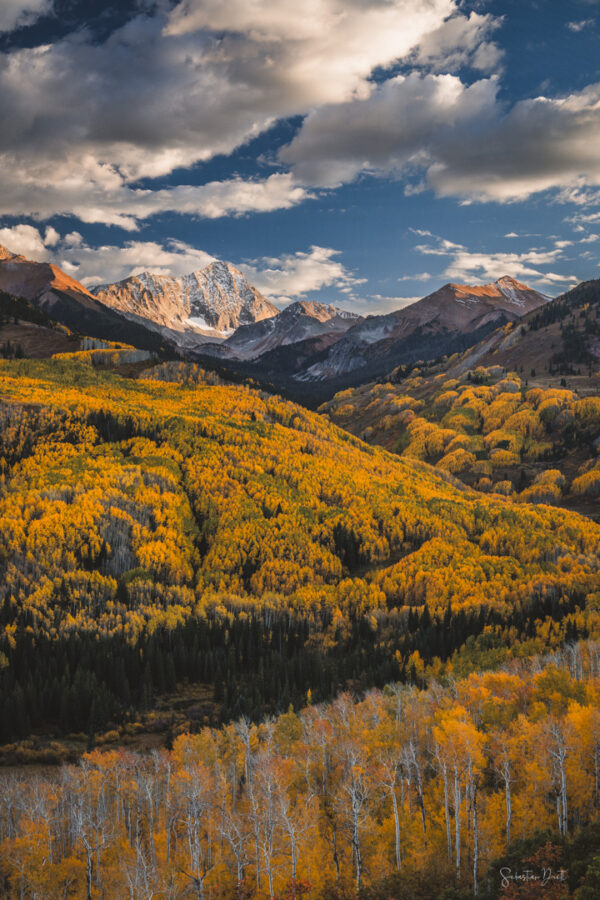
(447, 320)
(300, 321)
(562, 336)
(309, 349)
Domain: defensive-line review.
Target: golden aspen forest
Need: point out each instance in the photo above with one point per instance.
(399, 794)
(488, 426)
(392, 677)
(529, 431)
(299, 450)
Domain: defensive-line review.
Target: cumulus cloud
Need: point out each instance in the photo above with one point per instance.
(541, 143)
(459, 138)
(580, 25)
(283, 279)
(420, 276)
(93, 265)
(16, 13)
(400, 124)
(26, 240)
(164, 92)
(294, 275)
(95, 193)
(179, 85)
(109, 263)
(461, 41)
(466, 266)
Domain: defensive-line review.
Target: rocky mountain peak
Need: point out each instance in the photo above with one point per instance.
(212, 301)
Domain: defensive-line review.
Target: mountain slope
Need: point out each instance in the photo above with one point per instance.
(518, 413)
(155, 532)
(563, 337)
(300, 321)
(67, 301)
(209, 303)
(450, 319)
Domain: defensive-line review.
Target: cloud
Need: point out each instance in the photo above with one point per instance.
(88, 119)
(580, 25)
(461, 41)
(588, 219)
(540, 144)
(294, 275)
(16, 13)
(107, 263)
(26, 241)
(465, 265)
(94, 265)
(97, 194)
(283, 279)
(397, 127)
(460, 139)
(421, 276)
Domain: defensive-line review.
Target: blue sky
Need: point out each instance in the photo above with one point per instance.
(361, 152)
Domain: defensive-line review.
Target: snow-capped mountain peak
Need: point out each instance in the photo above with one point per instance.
(211, 302)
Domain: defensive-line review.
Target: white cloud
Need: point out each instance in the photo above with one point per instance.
(581, 25)
(461, 41)
(88, 119)
(421, 276)
(97, 265)
(15, 13)
(51, 237)
(25, 240)
(540, 144)
(285, 278)
(396, 127)
(294, 275)
(465, 265)
(97, 194)
(460, 138)
(588, 219)
(94, 265)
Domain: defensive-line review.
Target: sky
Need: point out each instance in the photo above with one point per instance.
(358, 152)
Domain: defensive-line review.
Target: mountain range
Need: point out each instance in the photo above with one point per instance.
(309, 349)
(449, 319)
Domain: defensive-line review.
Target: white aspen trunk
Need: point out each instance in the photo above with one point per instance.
(563, 791)
(447, 813)
(356, 852)
(397, 827)
(559, 812)
(457, 804)
(475, 842)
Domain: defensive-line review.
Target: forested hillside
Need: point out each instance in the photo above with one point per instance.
(445, 793)
(154, 532)
(491, 428)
